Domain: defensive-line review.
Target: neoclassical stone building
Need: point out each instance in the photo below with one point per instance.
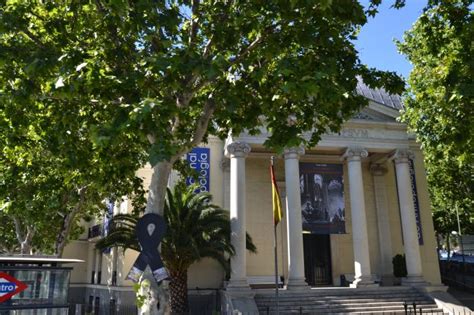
(352, 203)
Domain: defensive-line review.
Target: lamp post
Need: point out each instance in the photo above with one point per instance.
(462, 253)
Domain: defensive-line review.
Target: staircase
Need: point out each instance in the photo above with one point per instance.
(380, 300)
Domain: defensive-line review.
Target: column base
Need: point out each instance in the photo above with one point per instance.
(238, 285)
(387, 280)
(364, 282)
(297, 284)
(414, 281)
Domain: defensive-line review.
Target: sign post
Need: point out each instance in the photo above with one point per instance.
(9, 286)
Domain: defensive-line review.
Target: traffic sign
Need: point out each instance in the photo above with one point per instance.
(9, 286)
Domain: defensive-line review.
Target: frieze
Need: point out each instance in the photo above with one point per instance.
(352, 133)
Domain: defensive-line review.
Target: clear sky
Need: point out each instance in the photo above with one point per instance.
(376, 39)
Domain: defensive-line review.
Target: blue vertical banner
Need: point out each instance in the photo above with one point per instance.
(415, 202)
(199, 159)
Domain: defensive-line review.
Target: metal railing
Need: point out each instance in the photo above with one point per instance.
(102, 309)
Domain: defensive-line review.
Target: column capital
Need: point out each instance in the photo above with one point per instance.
(378, 169)
(402, 156)
(237, 149)
(224, 164)
(293, 152)
(355, 154)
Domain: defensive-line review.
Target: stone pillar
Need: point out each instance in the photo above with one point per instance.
(296, 277)
(237, 152)
(91, 271)
(407, 211)
(363, 275)
(383, 223)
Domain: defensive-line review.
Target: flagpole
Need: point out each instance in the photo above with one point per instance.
(276, 256)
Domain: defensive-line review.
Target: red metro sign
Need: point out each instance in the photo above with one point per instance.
(9, 286)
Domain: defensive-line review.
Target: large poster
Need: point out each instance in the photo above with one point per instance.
(322, 198)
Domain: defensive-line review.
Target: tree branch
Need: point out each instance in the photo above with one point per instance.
(33, 37)
(66, 225)
(207, 49)
(201, 127)
(244, 52)
(19, 233)
(194, 25)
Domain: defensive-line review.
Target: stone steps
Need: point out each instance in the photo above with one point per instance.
(343, 301)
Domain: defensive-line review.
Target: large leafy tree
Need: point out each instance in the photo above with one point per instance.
(52, 174)
(172, 72)
(196, 229)
(166, 74)
(440, 106)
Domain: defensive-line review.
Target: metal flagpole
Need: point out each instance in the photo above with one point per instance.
(276, 254)
(276, 269)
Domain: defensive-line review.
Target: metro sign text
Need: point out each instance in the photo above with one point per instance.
(9, 286)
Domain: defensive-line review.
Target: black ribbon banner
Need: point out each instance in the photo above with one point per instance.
(150, 230)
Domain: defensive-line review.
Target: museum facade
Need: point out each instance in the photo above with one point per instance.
(351, 204)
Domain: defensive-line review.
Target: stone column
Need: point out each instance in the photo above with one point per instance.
(383, 223)
(407, 211)
(237, 152)
(296, 277)
(363, 275)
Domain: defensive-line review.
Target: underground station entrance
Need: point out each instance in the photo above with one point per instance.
(32, 285)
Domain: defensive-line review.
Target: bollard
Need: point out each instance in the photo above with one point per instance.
(414, 307)
(420, 311)
(405, 305)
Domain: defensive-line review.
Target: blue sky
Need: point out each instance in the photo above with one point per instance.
(375, 44)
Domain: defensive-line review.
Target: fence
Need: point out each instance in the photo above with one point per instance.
(201, 302)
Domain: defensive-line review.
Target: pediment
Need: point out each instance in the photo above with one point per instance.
(377, 113)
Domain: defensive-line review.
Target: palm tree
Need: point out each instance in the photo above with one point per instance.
(196, 229)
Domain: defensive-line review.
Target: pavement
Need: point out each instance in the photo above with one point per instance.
(465, 297)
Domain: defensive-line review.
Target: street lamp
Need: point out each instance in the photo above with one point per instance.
(462, 253)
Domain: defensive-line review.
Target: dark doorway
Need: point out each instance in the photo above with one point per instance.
(317, 259)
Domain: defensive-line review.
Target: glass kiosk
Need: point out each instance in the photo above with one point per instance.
(47, 283)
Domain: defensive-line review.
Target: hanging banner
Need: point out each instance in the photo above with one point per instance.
(415, 202)
(199, 159)
(322, 198)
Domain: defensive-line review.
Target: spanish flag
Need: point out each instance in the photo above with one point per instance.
(277, 213)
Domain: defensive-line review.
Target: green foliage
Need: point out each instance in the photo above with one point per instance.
(439, 106)
(196, 229)
(137, 288)
(88, 90)
(166, 68)
(399, 266)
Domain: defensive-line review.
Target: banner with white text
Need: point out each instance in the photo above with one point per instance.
(199, 159)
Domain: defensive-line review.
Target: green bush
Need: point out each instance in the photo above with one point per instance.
(399, 266)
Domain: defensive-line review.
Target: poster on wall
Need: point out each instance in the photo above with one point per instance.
(199, 159)
(322, 198)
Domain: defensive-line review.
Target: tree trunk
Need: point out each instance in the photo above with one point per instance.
(67, 224)
(179, 293)
(156, 204)
(157, 188)
(62, 238)
(24, 240)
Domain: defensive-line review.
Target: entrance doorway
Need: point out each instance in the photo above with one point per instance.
(317, 259)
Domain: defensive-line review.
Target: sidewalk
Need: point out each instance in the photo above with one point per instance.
(464, 297)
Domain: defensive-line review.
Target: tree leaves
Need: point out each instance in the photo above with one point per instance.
(109, 84)
(439, 106)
